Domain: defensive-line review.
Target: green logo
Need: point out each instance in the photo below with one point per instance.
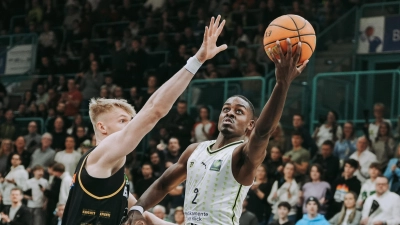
(191, 164)
(216, 166)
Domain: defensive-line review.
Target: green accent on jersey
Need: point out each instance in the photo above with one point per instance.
(234, 205)
(216, 166)
(223, 147)
(191, 164)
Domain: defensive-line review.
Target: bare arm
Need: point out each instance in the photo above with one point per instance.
(156, 107)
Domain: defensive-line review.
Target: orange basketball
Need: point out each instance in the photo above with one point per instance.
(294, 27)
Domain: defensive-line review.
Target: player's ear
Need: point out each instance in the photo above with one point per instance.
(101, 127)
(251, 125)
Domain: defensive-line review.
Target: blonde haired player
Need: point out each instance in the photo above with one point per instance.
(99, 191)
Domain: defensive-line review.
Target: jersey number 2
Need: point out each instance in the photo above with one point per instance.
(194, 199)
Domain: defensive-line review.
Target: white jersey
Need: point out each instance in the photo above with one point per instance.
(213, 196)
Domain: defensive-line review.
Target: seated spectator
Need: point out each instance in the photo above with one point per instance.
(244, 54)
(179, 216)
(296, 9)
(16, 213)
(172, 152)
(47, 39)
(135, 99)
(392, 173)
(373, 128)
(21, 151)
(175, 198)
(383, 207)
(58, 134)
(73, 99)
(109, 85)
(274, 164)
(54, 97)
(283, 212)
(180, 123)
(364, 158)
(64, 65)
(66, 180)
(368, 188)
(5, 151)
(346, 145)
(32, 139)
(41, 95)
(104, 93)
(42, 111)
(60, 111)
(157, 164)
(35, 187)
(59, 215)
(32, 111)
(316, 188)
(44, 155)
(298, 156)
(312, 216)
(80, 135)
(78, 122)
(28, 98)
(52, 193)
(234, 68)
(277, 138)
(204, 129)
(384, 145)
(343, 185)
(159, 211)
(247, 217)
(68, 157)
(118, 93)
(90, 84)
(330, 130)
(143, 184)
(62, 85)
(85, 147)
(8, 129)
(308, 142)
(17, 177)
(285, 190)
(328, 161)
(349, 214)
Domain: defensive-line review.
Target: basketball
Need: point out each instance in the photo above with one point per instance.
(294, 27)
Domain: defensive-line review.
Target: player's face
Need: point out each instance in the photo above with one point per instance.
(349, 201)
(235, 118)
(115, 120)
(312, 208)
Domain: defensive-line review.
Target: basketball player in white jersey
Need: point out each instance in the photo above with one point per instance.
(219, 173)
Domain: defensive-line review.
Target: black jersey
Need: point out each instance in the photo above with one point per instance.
(96, 201)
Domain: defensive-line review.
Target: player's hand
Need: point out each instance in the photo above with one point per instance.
(286, 66)
(135, 218)
(209, 47)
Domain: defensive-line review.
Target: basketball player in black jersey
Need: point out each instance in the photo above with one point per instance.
(99, 191)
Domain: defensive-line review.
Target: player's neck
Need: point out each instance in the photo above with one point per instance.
(222, 141)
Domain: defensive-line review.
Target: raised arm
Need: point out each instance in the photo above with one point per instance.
(157, 106)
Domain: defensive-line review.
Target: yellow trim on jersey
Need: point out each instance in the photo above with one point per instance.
(225, 146)
(90, 194)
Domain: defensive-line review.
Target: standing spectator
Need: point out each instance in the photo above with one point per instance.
(44, 155)
(349, 214)
(298, 156)
(16, 213)
(343, 185)
(21, 151)
(73, 99)
(369, 187)
(5, 151)
(17, 177)
(173, 153)
(346, 145)
(308, 142)
(328, 161)
(283, 212)
(69, 157)
(373, 128)
(143, 184)
(316, 188)
(312, 216)
(285, 190)
(90, 84)
(392, 173)
(179, 124)
(66, 180)
(52, 193)
(247, 217)
(364, 158)
(8, 129)
(203, 130)
(58, 134)
(330, 130)
(384, 145)
(32, 139)
(274, 164)
(258, 194)
(41, 95)
(388, 208)
(37, 185)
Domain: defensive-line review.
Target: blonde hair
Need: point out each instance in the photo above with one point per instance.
(102, 105)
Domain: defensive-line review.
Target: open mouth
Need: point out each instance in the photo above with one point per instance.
(227, 120)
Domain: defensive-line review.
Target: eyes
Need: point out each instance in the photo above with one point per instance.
(238, 111)
(122, 120)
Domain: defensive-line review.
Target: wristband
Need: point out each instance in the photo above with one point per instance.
(192, 65)
(137, 208)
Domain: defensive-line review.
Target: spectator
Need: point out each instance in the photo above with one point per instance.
(203, 130)
(274, 164)
(17, 177)
(343, 185)
(283, 212)
(369, 187)
(154, 5)
(157, 164)
(243, 17)
(85, 147)
(42, 111)
(8, 129)
(136, 62)
(80, 136)
(373, 128)
(159, 211)
(47, 40)
(247, 217)
(179, 216)
(277, 138)
(234, 69)
(176, 198)
(346, 145)
(364, 158)
(392, 173)
(104, 93)
(4, 100)
(269, 11)
(308, 142)
(109, 85)
(62, 85)
(349, 214)
(298, 156)
(78, 122)
(179, 124)
(135, 99)
(54, 97)
(330, 130)
(17, 213)
(32, 111)
(316, 188)
(384, 145)
(21, 151)
(5, 151)
(285, 190)
(66, 180)
(46, 67)
(162, 42)
(148, 179)
(32, 139)
(36, 186)
(35, 14)
(68, 157)
(258, 194)
(312, 216)
(60, 111)
(244, 54)
(73, 99)
(259, 37)
(52, 193)
(118, 93)
(59, 215)
(173, 151)
(28, 98)
(44, 155)
(58, 134)
(22, 112)
(64, 65)
(388, 207)
(328, 161)
(90, 84)
(296, 9)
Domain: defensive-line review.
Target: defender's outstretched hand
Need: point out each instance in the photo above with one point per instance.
(209, 47)
(286, 66)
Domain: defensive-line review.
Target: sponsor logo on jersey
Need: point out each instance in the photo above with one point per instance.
(216, 166)
(191, 164)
